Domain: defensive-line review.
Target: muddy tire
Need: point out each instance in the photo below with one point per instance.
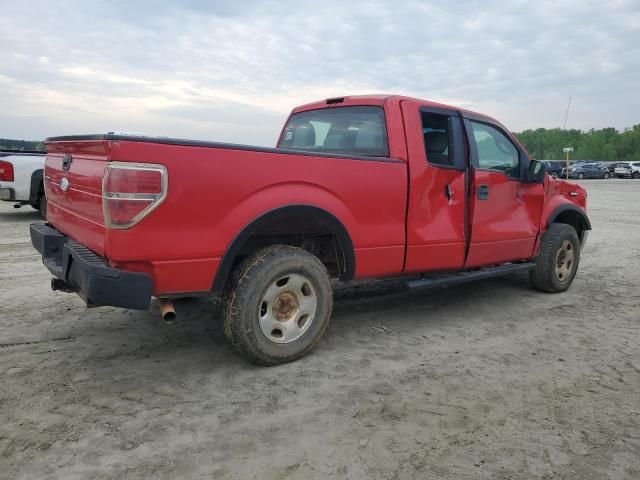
(557, 263)
(277, 305)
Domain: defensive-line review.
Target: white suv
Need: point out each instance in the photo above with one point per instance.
(628, 170)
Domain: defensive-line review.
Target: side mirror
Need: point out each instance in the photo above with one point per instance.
(536, 171)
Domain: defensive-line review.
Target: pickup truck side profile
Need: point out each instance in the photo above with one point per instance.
(358, 187)
(21, 179)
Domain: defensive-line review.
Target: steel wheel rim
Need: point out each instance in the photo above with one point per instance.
(287, 308)
(565, 261)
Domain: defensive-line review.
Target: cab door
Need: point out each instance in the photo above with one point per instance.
(504, 211)
(436, 229)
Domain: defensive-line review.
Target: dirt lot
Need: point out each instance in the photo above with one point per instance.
(488, 380)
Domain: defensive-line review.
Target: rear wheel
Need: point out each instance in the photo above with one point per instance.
(636, 175)
(557, 262)
(606, 175)
(278, 305)
(581, 176)
(554, 175)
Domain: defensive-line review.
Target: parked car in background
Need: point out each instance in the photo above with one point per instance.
(21, 179)
(587, 170)
(554, 167)
(628, 170)
(611, 166)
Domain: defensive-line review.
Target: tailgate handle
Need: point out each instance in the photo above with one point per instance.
(66, 161)
(483, 192)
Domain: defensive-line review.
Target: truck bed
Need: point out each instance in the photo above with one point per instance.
(214, 191)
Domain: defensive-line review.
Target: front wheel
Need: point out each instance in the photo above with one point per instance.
(636, 175)
(581, 176)
(278, 305)
(606, 175)
(557, 262)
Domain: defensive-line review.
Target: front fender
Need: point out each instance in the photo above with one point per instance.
(565, 207)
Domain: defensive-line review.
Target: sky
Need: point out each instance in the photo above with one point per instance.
(231, 71)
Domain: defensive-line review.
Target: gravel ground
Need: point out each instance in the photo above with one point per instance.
(485, 380)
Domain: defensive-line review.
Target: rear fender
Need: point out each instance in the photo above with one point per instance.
(292, 198)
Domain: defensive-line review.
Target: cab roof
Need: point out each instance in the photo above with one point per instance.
(382, 99)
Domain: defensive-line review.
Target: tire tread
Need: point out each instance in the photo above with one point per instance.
(238, 290)
(543, 274)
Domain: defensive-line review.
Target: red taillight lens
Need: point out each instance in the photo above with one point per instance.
(130, 191)
(128, 180)
(6, 171)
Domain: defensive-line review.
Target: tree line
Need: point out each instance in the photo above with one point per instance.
(606, 144)
(9, 144)
(542, 143)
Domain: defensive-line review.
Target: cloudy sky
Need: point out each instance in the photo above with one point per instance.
(232, 70)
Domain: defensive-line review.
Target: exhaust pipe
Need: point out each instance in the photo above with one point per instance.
(167, 310)
(58, 285)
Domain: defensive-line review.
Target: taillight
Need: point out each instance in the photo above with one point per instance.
(6, 171)
(130, 191)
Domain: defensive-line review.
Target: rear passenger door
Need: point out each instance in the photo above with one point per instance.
(436, 227)
(504, 211)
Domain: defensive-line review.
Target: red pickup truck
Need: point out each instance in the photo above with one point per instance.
(358, 187)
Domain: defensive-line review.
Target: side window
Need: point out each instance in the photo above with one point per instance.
(436, 130)
(495, 150)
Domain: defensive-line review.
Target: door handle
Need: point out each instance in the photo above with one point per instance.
(448, 193)
(483, 192)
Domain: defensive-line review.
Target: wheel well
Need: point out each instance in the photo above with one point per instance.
(303, 226)
(37, 186)
(573, 218)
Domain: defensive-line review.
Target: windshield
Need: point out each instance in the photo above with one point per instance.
(341, 130)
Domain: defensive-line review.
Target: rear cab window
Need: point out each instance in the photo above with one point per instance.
(443, 137)
(355, 130)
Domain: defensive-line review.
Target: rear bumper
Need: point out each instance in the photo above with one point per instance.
(7, 194)
(87, 274)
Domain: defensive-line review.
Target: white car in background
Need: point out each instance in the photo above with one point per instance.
(21, 179)
(628, 170)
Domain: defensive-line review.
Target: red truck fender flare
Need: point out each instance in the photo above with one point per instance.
(328, 220)
(575, 212)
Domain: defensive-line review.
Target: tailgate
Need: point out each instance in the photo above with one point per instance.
(73, 185)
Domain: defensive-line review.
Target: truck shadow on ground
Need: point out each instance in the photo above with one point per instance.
(200, 324)
(196, 342)
(20, 215)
